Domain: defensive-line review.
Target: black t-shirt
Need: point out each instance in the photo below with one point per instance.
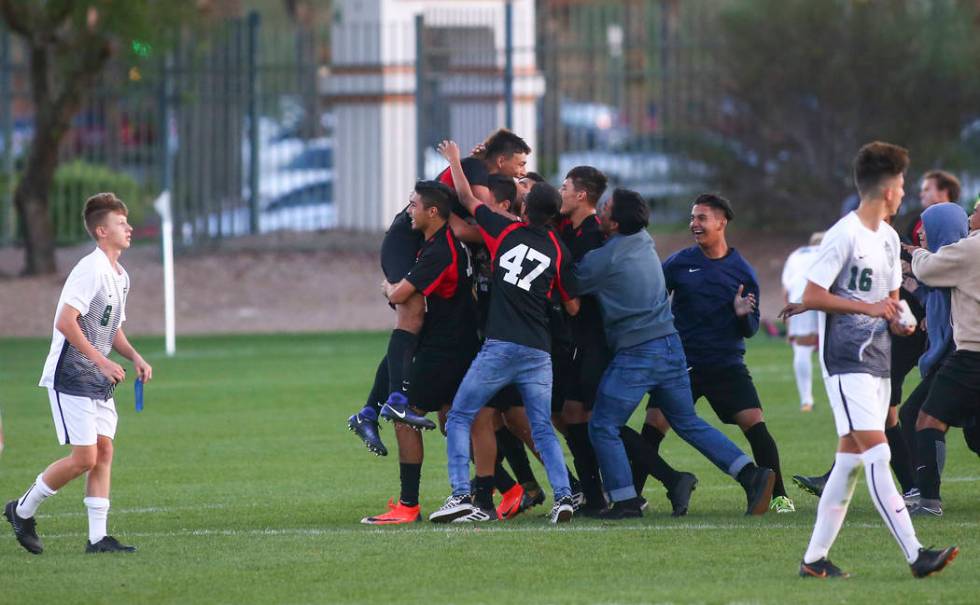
(587, 329)
(476, 173)
(444, 275)
(529, 264)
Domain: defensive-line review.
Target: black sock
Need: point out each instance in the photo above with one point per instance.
(401, 348)
(765, 453)
(378, 395)
(901, 465)
(512, 449)
(502, 479)
(483, 492)
(646, 459)
(586, 465)
(652, 435)
(931, 444)
(411, 476)
(907, 416)
(743, 475)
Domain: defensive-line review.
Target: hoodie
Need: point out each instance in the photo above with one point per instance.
(944, 224)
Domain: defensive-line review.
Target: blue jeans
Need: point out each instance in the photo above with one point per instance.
(497, 365)
(658, 367)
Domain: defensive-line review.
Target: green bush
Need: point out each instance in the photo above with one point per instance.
(74, 182)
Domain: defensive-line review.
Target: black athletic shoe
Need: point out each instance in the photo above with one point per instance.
(680, 494)
(367, 430)
(822, 568)
(24, 529)
(108, 544)
(758, 484)
(624, 509)
(562, 511)
(396, 409)
(933, 561)
(478, 514)
(454, 508)
(811, 485)
(926, 507)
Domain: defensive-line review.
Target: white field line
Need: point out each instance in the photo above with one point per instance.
(469, 530)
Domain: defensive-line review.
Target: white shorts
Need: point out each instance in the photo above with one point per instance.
(859, 401)
(803, 324)
(80, 420)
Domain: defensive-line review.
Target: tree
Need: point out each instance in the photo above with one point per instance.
(69, 44)
(802, 85)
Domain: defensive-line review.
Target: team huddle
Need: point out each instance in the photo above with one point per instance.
(525, 313)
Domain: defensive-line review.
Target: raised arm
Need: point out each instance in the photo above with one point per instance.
(450, 151)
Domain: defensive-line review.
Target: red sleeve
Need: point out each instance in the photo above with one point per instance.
(561, 268)
(493, 227)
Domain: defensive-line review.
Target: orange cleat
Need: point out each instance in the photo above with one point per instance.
(510, 502)
(397, 514)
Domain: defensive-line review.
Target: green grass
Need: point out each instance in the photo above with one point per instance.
(240, 484)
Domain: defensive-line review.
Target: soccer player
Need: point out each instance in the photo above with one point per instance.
(447, 342)
(802, 330)
(80, 378)
(626, 276)
(715, 294)
(528, 264)
(954, 396)
(854, 284)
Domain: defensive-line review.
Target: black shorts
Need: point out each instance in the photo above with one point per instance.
(728, 390)
(906, 351)
(955, 394)
(435, 377)
(506, 398)
(400, 249)
(588, 365)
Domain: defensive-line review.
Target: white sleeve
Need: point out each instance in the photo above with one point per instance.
(125, 299)
(81, 287)
(835, 251)
(788, 270)
(895, 280)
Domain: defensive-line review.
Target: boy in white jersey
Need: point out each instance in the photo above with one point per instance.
(802, 328)
(80, 377)
(854, 283)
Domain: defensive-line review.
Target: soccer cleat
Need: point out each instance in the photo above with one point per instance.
(758, 490)
(811, 485)
(478, 515)
(562, 511)
(396, 409)
(25, 530)
(367, 430)
(397, 514)
(806, 407)
(680, 494)
(624, 509)
(821, 568)
(927, 507)
(510, 502)
(108, 544)
(782, 504)
(933, 561)
(453, 508)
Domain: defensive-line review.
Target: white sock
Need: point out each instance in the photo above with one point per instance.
(803, 368)
(37, 493)
(890, 504)
(98, 515)
(833, 504)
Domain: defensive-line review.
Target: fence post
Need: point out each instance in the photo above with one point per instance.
(420, 138)
(509, 64)
(6, 124)
(254, 21)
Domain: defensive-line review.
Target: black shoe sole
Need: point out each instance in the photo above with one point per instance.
(450, 517)
(379, 450)
(417, 426)
(761, 504)
(8, 512)
(680, 508)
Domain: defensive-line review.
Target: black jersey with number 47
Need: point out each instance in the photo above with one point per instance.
(529, 265)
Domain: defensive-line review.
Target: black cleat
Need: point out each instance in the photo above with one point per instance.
(624, 509)
(453, 508)
(396, 409)
(108, 544)
(926, 507)
(758, 483)
(367, 430)
(811, 485)
(933, 561)
(562, 511)
(25, 530)
(821, 568)
(680, 494)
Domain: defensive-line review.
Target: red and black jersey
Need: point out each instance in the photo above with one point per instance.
(587, 328)
(579, 240)
(529, 264)
(444, 275)
(476, 173)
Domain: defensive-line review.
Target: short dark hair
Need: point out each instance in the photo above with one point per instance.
(98, 207)
(434, 193)
(503, 188)
(504, 142)
(877, 161)
(945, 182)
(630, 210)
(534, 176)
(717, 202)
(590, 180)
(543, 203)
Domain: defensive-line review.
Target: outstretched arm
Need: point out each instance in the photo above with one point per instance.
(450, 151)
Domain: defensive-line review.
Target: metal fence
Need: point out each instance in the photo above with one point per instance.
(232, 122)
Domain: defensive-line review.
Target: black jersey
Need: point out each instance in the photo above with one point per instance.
(476, 173)
(444, 275)
(587, 328)
(529, 264)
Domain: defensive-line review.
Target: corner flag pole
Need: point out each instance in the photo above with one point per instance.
(162, 206)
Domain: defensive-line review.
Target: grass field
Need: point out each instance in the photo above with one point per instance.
(240, 484)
